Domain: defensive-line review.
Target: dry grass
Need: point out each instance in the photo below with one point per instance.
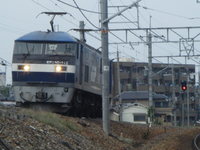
(51, 119)
(127, 136)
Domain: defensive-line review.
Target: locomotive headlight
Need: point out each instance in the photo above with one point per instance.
(26, 68)
(59, 68)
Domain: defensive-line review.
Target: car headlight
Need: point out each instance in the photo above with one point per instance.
(59, 68)
(24, 67)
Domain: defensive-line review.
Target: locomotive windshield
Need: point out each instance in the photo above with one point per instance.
(45, 48)
(60, 49)
(28, 48)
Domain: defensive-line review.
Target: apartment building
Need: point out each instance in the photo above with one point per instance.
(134, 77)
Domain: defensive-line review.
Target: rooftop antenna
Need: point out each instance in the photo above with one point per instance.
(53, 14)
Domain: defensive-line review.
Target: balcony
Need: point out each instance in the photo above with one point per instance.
(159, 89)
(124, 75)
(167, 110)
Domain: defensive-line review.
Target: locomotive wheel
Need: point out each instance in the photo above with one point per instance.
(86, 105)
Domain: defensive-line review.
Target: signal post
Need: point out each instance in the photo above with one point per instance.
(183, 88)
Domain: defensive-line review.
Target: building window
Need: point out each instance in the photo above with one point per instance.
(165, 104)
(192, 106)
(155, 82)
(158, 104)
(134, 69)
(134, 84)
(161, 104)
(125, 69)
(139, 117)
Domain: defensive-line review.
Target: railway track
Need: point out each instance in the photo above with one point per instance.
(196, 142)
(4, 146)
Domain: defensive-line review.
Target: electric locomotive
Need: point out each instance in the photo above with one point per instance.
(57, 72)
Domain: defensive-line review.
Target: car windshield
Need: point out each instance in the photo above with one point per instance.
(45, 48)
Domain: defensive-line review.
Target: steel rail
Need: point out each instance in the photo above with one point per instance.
(3, 145)
(196, 140)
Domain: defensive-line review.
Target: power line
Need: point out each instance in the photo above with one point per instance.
(155, 32)
(132, 14)
(86, 10)
(117, 37)
(129, 20)
(62, 9)
(41, 5)
(122, 16)
(73, 16)
(84, 15)
(168, 13)
(63, 18)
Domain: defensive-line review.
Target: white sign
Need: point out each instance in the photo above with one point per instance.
(106, 68)
(52, 47)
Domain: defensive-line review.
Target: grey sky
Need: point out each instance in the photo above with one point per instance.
(19, 17)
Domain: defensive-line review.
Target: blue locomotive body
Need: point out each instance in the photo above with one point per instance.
(54, 69)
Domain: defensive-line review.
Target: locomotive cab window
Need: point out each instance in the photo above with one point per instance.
(60, 49)
(28, 48)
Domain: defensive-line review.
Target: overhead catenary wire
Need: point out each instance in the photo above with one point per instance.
(81, 9)
(11, 29)
(72, 15)
(168, 13)
(84, 15)
(39, 4)
(91, 34)
(164, 12)
(158, 34)
(122, 16)
(117, 37)
(62, 9)
(85, 18)
(97, 38)
(137, 7)
(155, 32)
(86, 10)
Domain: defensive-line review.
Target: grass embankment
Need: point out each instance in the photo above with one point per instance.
(52, 119)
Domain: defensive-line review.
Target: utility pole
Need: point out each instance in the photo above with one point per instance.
(173, 94)
(149, 43)
(188, 100)
(105, 60)
(138, 17)
(82, 31)
(119, 86)
(105, 64)
(182, 109)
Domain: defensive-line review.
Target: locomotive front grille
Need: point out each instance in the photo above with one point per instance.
(41, 95)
